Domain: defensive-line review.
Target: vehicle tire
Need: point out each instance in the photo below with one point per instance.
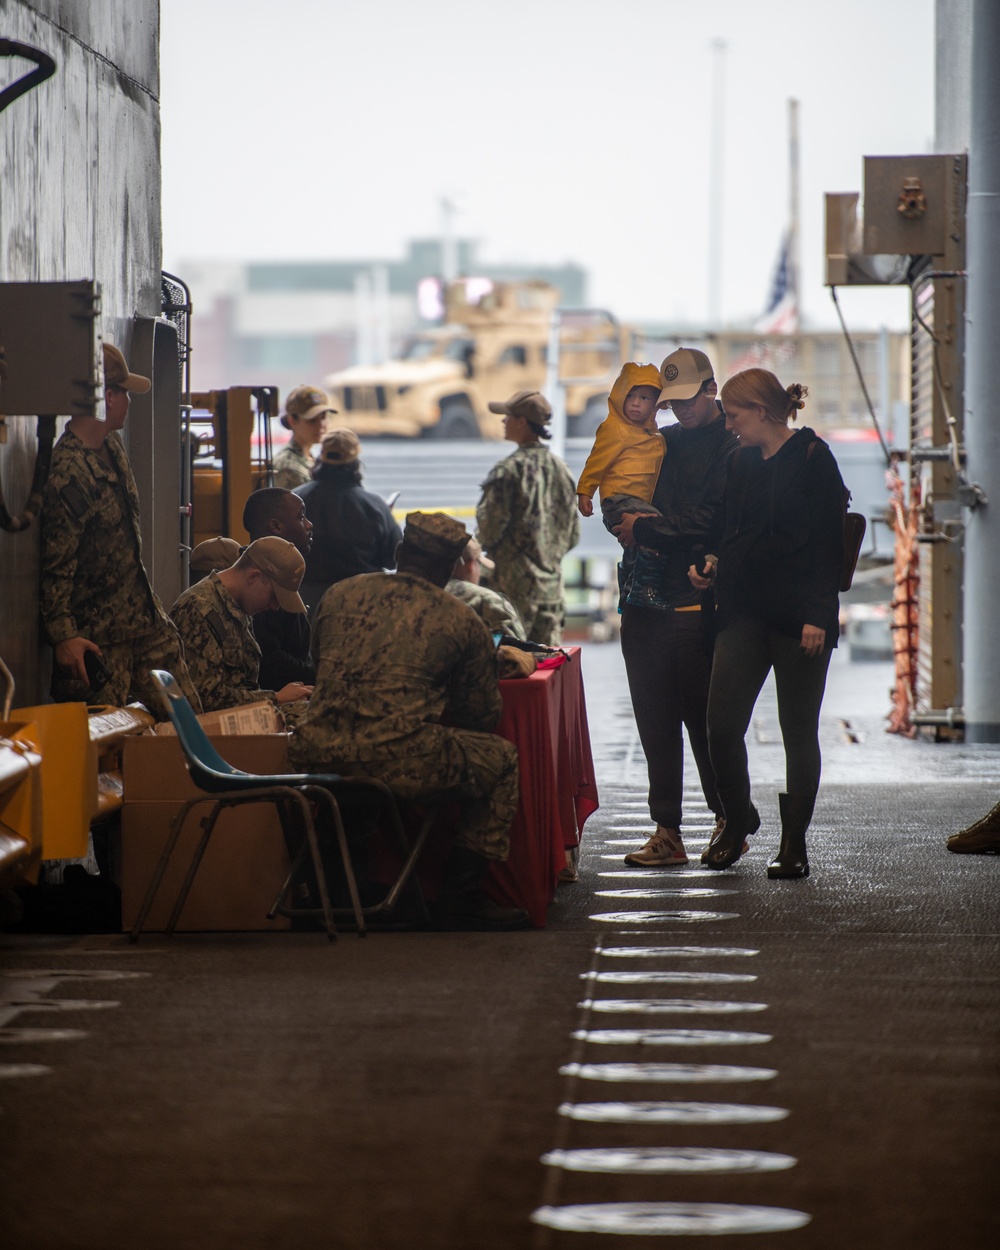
(457, 421)
(585, 425)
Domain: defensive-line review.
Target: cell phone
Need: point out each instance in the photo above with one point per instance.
(497, 638)
(98, 672)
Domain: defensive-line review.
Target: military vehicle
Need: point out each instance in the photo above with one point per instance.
(493, 341)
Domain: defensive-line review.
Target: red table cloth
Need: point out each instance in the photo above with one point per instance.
(545, 716)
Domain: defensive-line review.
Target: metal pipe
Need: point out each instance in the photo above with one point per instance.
(952, 717)
(982, 381)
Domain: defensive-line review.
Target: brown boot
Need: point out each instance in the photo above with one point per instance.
(980, 838)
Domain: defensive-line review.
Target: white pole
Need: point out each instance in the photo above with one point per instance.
(362, 317)
(793, 208)
(718, 157)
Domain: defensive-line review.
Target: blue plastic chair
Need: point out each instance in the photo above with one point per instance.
(226, 786)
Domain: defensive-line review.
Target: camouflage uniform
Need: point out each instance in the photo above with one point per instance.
(292, 467)
(496, 609)
(93, 583)
(527, 522)
(218, 637)
(393, 655)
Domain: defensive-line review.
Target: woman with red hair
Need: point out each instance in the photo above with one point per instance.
(776, 584)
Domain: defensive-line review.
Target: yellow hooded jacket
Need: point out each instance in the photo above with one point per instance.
(625, 458)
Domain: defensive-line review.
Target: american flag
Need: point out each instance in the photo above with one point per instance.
(782, 314)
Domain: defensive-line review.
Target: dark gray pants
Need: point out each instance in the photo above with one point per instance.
(668, 660)
(745, 652)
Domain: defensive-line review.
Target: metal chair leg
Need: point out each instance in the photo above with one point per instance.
(161, 867)
(324, 894)
(345, 855)
(208, 825)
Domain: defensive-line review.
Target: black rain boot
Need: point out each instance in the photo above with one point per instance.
(796, 813)
(462, 903)
(742, 819)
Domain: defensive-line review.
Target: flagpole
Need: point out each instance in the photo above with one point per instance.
(715, 188)
(793, 207)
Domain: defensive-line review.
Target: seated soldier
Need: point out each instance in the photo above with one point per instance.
(496, 609)
(394, 656)
(283, 637)
(214, 618)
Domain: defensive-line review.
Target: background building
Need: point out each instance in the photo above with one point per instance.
(282, 322)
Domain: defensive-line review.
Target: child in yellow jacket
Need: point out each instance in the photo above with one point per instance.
(625, 459)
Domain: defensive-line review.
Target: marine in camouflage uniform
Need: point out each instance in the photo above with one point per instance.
(292, 467)
(93, 584)
(527, 520)
(306, 410)
(394, 654)
(494, 608)
(224, 658)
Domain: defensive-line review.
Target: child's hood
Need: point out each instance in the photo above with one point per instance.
(632, 374)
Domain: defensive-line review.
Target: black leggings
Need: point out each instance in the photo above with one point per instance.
(745, 652)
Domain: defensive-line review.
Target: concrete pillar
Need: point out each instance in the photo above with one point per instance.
(982, 384)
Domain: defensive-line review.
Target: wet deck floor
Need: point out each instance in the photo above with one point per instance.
(810, 1064)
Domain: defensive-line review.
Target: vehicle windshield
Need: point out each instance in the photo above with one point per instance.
(424, 347)
(421, 348)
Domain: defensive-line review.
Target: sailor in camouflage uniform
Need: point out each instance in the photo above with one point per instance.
(496, 609)
(305, 414)
(527, 519)
(214, 618)
(394, 654)
(94, 593)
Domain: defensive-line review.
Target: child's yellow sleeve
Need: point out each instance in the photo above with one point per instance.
(606, 448)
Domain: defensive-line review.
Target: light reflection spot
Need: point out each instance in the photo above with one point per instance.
(652, 1006)
(666, 1072)
(620, 1160)
(671, 1112)
(669, 1037)
(654, 1219)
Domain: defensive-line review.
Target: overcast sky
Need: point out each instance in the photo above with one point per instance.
(572, 130)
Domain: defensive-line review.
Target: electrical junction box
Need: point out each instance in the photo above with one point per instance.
(50, 358)
(913, 205)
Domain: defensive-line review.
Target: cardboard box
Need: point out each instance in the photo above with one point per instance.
(246, 861)
(249, 718)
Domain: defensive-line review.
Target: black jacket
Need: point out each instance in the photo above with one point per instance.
(353, 531)
(689, 494)
(283, 638)
(783, 539)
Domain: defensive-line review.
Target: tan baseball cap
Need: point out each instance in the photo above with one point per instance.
(214, 554)
(340, 447)
(307, 403)
(683, 372)
(435, 534)
(116, 372)
(532, 405)
(474, 551)
(283, 564)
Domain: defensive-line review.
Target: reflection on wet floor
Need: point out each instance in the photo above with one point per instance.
(667, 978)
(676, 952)
(669, 1037)
(666, 1072)
(662, 917)
(652, 1218)
(679, 1159)
(686, 891)
(20, 1036)
(671, 1112)
(655, 1006)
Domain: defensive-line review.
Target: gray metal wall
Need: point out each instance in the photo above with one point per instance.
(79, 198)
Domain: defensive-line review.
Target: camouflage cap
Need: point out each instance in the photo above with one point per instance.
(283, 564)
(116, 372)
(340, 447)
(214, 554)
(474, 551)
(306, 403)
(684, 372)
(435, 535)
(532, 405)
